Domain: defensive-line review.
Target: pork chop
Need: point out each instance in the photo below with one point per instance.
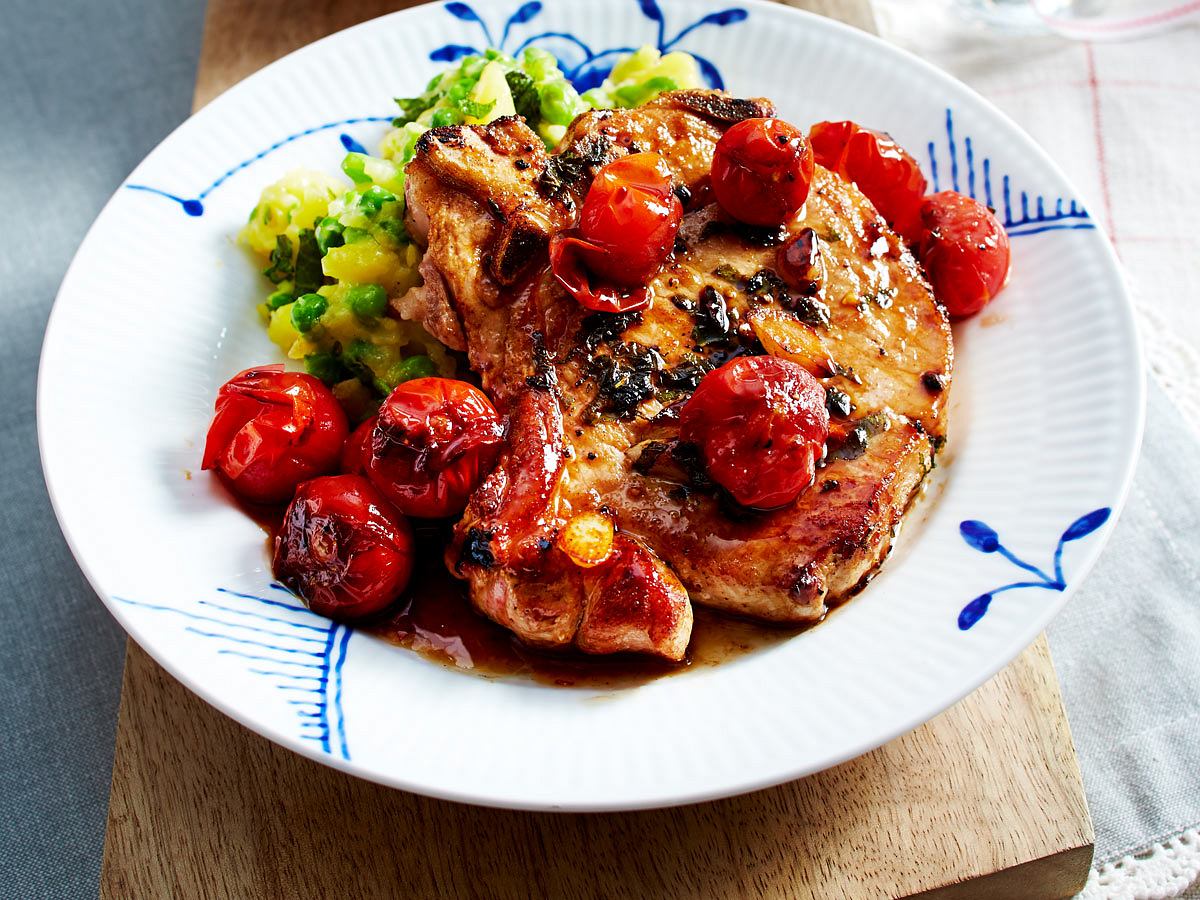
(592, 398)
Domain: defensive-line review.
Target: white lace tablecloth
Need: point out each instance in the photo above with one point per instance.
(1123, 120)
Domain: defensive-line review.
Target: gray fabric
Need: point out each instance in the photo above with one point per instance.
(1126, 649)
(86, 90)
(89, 88)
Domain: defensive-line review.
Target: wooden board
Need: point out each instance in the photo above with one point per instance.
(984, 801)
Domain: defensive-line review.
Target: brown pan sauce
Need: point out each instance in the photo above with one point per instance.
(435, 618)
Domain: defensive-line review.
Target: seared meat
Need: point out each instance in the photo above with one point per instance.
(592, 397)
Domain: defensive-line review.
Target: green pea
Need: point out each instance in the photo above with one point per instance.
(367, 301)
(329, 234)
(445, 116)
(354, 166)
(307, 311)
(413, 367)
(558, 102)
(373, 199)
(352, 235)
(538, 63)
(278, 299)
(325, 366)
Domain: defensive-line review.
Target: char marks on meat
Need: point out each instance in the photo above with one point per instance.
(591, 398)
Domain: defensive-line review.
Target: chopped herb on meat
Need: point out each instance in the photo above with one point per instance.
(854, 446)
(477, 549)
(712, 318)
(683, 377)
(649, 455)
(623, 386)
(564, 170)
(809, 310)
(601, 328)
(544, 378)
(766, 284)
(838, 402)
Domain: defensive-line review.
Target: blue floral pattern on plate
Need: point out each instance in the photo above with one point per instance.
(982, 537)
(299, 652)
(584, 65)
(1067, 213)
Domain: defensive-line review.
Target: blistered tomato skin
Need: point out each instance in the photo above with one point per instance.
(964, 250)
(569, 256)
(882, 169)
(271, 431)
(627, 228)
(342, 548)
(762, 170)
(434, 441)
(357, 449)
(761, 425)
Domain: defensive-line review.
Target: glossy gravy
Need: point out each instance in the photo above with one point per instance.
(436, 619)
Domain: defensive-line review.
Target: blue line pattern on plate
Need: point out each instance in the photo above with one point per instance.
(300, 656)
(1018, 222)
(982, 537)
(194, 206)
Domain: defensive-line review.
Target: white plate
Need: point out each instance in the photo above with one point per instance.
(157, 311)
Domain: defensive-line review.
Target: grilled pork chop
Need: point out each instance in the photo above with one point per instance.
(592, 398)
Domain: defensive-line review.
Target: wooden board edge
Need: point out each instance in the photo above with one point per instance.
(1052, 877)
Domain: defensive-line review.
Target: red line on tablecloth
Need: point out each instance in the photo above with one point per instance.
(1098, 130)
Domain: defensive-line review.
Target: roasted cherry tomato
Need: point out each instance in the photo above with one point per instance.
(357, 449)
(434, 441)
(627, 228)
(761, 424)
(882, 169)
(272, 430)
(342, 548)
(762, 170)
(964, 249)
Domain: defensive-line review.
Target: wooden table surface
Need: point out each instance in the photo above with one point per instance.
(984, 801)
